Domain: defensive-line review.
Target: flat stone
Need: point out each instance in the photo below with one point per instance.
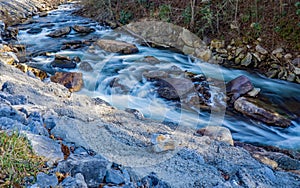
(83, 29)
(250, 109)
(277, 51)
(114, 176)
(45, 180)
(46, 147)
(35, 30)
(117, 46)
(247, 60)
(71, 80)
(219, 133)
(162, 143)
(254, 92)
(155, 75)
(60, 32)
(261, 50)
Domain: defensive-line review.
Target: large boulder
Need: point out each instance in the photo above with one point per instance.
(169, 35)
(117, 46)
(60, 32)
(238, 87)
(251, 109)
(71, 80)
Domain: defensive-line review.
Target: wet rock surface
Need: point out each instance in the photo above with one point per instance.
(117, 46)
(60, 32)
(251, 109)
(71, 80)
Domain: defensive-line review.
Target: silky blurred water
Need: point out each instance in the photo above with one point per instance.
(282, 95)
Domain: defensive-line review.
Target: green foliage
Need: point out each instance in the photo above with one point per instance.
(125, 17)
(187, 15)
(165, 12)
(16, 160)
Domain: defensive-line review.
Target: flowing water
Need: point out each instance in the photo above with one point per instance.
(139, 94)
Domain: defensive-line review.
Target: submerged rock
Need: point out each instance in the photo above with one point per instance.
(249, 108)
(60, 32)
(35, 30)
(117, 46)
(71, 80)
(85, 66)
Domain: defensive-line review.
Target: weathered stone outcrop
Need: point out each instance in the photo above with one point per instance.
(169, 35)
(16, 11)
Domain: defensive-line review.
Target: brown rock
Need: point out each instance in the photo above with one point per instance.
(117, 46)
(238, 86)
(82, 29)
(71, 80)
(251, 109)
(60, 32)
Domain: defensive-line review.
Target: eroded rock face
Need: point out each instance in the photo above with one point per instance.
(117, 46)
(71, 80)
(238, 87)
(60, 32)
(250, 109)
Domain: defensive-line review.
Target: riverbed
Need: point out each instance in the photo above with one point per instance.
(140, 95)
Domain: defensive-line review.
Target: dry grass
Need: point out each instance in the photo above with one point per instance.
(17, 160)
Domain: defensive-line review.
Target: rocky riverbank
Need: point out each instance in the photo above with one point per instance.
(89, 135)
(89, 143)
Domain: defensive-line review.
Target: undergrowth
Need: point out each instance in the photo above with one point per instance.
(276, 22)
(17, 160)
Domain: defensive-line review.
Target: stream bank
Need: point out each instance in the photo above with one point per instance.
(83, 125)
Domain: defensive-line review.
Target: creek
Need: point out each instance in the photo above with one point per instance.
(141, 95)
